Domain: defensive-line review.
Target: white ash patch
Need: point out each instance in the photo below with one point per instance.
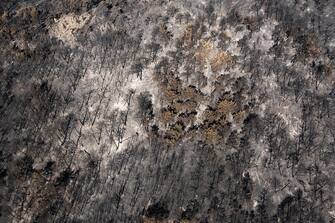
(290, 112)
(235, 36)
(332, 212)
(65, 27)
(208, 73)
(21, 88)
(262, 39)
(286, 108)
(200, 110)
(114, 94)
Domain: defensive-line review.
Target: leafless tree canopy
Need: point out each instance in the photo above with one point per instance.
(123, 111)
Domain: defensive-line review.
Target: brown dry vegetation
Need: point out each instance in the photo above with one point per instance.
(181, 110)
(27, 12)
(220, 60)
(312, 46)
(239, 116)
(226, 106)
(212, 136)
(181, 102)
(166, 116)
(174, 133)
(203, 51)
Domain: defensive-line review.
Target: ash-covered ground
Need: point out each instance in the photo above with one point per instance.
(124, 111)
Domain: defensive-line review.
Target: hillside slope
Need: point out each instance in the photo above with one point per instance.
(167, 111)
